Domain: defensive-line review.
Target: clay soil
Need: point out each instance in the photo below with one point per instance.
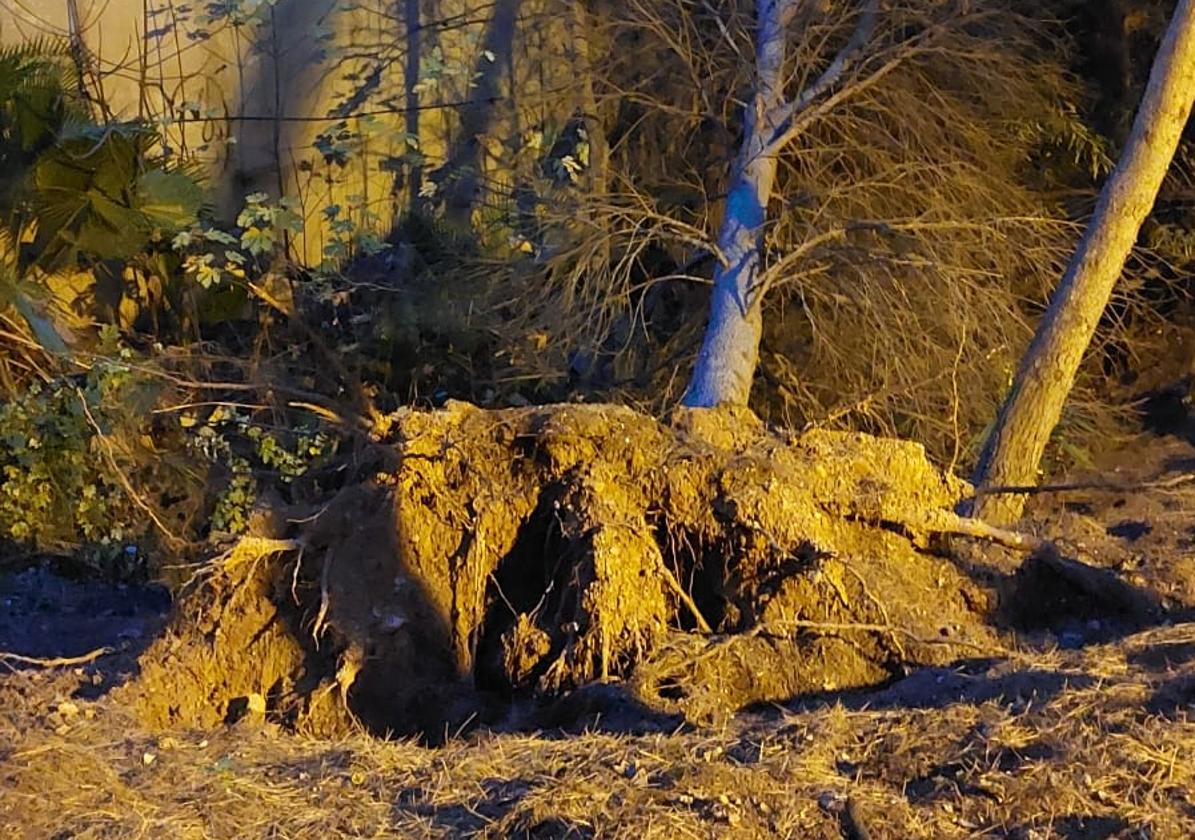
(580, 622)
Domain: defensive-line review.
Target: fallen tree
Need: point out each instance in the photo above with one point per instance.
(478, 557)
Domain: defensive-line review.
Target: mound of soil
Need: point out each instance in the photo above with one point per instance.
(492, 555)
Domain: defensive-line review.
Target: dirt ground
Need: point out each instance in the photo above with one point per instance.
(1075, 723)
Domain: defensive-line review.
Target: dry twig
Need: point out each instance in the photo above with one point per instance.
(56, 661)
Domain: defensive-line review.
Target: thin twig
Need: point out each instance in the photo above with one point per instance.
(324, 600)
(784, 117)
(948, 522)
(171, 537)
(54, 662)
(686, 599)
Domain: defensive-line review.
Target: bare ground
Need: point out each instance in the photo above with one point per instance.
(1078, 724)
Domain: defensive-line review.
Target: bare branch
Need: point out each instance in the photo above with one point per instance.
(784, 116)
(12, 659)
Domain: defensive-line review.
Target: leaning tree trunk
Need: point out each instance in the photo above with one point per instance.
(730, 350)
(1034, 405)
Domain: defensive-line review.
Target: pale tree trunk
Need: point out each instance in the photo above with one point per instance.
(413, 21)
(1034, 405)
(729, 352)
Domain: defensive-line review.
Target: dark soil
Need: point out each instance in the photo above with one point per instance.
(46, 615)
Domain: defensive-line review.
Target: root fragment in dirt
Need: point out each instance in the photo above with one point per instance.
(7, 658)
(499, 554)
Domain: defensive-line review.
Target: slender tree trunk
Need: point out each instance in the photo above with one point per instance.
(414, 25)
(280, 80)
(582, 53)
(465, 158)
(729, 353)
(1031, 411)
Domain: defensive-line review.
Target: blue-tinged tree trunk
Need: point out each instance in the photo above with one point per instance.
(730, 350)
(729, 353)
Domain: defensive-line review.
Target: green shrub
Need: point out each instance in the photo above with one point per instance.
(62, 445)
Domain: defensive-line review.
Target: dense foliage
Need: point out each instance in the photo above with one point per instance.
(166, 361)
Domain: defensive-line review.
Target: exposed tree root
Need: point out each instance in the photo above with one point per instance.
(493, 554)
(53, 662)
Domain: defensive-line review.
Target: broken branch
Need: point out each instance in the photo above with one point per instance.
(54, 662)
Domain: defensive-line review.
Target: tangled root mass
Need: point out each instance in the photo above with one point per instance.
(709, 562)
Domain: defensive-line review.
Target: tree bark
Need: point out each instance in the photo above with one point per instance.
(414, 27)
(1034, 405)
(730, 350)
(464, 164)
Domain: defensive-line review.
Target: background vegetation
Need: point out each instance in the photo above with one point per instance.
(211, 279)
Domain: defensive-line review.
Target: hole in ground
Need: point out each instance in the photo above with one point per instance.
(700, 567)
(525, 587)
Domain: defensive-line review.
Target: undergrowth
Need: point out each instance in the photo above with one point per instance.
(104, 465)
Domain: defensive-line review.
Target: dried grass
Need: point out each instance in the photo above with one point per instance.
(1038, 745)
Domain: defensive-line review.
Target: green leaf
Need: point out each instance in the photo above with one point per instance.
(169, 200)
(89, 197)
(110, 230)
(257, 241)
(220, 237)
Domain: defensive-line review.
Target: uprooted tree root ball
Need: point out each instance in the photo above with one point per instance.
(524, 553)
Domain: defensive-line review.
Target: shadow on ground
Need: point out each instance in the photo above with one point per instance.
(49, 616)
(968, 683)
(502, 801)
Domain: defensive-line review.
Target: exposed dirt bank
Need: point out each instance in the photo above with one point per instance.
(487, 556)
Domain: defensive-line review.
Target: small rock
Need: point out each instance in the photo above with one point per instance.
(831, 801)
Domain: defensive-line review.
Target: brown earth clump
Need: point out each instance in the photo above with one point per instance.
(491, 555)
